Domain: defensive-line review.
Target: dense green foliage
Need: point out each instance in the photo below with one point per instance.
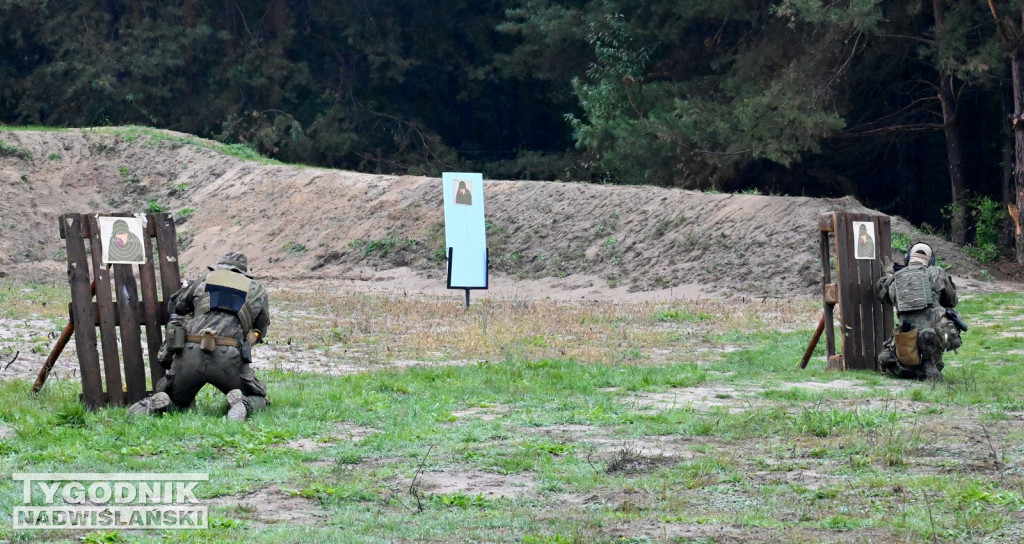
(796, 97)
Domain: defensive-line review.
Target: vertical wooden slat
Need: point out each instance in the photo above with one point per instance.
(131, 343)
(82, 311)
(885, 249)
(826, 274)
(107, 317)
(877, 312)
(150, 303)
(167, 244)
(847, 277)
(853, 295)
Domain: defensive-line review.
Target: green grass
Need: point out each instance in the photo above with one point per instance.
(14, 151)
(603, 450)
(151, 137)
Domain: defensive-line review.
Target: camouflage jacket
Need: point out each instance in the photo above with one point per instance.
(942, 295)
(185, 301)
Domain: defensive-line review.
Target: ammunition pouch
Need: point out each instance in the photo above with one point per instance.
(208, 340)
(906, 347)
(245, 350)
(164, 356)
(174, 342)
(175, 337)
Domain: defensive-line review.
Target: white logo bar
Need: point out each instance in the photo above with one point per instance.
(99, 517)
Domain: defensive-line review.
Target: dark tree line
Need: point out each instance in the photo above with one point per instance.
(902, 103)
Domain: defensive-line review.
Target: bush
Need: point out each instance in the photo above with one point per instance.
(987, 215)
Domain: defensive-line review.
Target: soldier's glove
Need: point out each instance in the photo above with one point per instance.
(887, 265)
(253, 337)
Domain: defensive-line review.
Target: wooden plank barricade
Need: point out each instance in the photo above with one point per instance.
(864, 321)
(118, 311)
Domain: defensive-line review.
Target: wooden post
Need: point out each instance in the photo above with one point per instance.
(107, 316)
(131, 338)
(82, 315)
(864, 321)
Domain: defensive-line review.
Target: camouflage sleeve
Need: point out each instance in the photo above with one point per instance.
(181, 301)
(947, 296)
(262, 321)
(882, 288)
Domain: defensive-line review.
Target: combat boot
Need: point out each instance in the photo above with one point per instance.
(237, 410)
(156, 403)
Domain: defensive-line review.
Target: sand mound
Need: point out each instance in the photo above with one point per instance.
(300, 223)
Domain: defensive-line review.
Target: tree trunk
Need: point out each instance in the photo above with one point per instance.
(1017, 70)
(954, 156)
(1006, 233)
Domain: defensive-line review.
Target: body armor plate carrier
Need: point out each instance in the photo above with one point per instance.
(227, 291)
(913, 290)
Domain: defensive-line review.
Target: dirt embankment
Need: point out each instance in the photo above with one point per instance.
(309, 223)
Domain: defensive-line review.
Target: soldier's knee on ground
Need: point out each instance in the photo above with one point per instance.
(931, 347)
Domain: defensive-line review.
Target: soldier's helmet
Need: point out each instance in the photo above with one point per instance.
(234, 261)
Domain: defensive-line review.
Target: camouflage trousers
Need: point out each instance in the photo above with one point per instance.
(193, 368)
(932, 342)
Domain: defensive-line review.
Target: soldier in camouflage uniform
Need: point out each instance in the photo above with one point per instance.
(921, 293)
(224, 312)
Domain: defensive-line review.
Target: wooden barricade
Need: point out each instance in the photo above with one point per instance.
(864, 321)
(118, 307)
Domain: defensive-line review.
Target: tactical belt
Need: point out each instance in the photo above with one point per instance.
(218, 340)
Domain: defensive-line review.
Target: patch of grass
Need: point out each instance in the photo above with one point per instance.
(384, 246)
(681, 315)
(460, 499)
(11, 150)
(901, 242)
(128, 176)
(26, 300)
(152, 206)
(151, 137)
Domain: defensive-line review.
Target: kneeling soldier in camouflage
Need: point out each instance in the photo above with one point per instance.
(924, 297)
(223, 313)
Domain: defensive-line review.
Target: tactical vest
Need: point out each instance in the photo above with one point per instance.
(227, 291)
(913, 289)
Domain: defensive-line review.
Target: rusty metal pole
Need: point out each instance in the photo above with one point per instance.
(44, 372)
(814, 343)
